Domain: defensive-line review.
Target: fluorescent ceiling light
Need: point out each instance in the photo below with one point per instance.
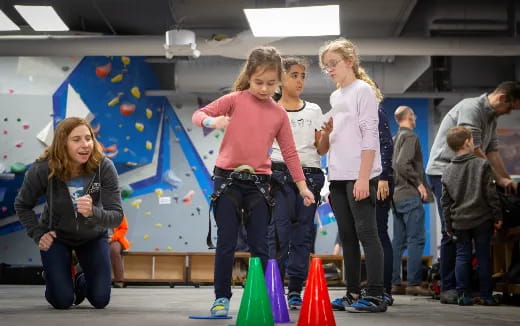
(6, 24)
(42, 18)
(294, 21)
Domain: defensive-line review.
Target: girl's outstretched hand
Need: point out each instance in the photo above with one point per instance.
(327, 126)
(220, 122)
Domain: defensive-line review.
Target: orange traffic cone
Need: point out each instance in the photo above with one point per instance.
(316, 309)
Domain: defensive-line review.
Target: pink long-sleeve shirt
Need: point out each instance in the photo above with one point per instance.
(254, 125)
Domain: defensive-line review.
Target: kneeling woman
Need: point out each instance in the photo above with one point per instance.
(82, 200)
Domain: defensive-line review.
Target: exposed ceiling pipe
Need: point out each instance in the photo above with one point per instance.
(238, 48)
(448, 15)
(207, 75)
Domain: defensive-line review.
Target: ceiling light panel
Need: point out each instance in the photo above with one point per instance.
(42, 18)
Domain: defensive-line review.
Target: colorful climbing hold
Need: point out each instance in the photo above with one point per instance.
(135, 92)
(18, 167)
(187, 198)
(103, 71)
(125, 60)
(139, 126)
(149, 113)
(113, 101)
(137, 203)
(117, 78)
(127, 109)
(148, 145)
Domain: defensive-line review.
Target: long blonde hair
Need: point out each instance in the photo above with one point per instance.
(57, 155)
(262, 56)
(347, 50)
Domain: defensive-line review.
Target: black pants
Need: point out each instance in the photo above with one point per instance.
(228, 224)
(357, 222)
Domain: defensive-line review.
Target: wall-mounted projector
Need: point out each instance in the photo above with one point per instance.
(180, 43)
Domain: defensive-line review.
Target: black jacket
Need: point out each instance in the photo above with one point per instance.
(469, 195)
(386, 144)
(58, 213)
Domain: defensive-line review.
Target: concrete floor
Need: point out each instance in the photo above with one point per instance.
(160, 305)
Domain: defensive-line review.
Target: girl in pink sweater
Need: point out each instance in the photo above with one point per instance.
(252, 120)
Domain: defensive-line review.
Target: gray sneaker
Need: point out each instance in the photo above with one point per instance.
(449, 297)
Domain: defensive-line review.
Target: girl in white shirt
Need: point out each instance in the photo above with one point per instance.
(352, 137)
(291, 233)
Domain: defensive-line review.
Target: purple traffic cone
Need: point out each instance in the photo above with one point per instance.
(276, 293)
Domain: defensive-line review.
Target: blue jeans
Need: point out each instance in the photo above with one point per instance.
(94, 258)
(228, 224)
(382, 208)
(290, 236)
(448, 248)
(409, 233)
(481, 235)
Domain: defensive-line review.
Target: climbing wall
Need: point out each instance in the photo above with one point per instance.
(164, 182)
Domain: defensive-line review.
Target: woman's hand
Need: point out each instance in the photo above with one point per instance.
(85, 205)
(46, 240)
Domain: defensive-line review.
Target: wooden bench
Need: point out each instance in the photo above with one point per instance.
(198, 267)
(163, 267)
(201, 267)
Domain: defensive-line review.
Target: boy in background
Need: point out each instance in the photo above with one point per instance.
(471, 207)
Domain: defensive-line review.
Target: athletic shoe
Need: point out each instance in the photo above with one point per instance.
(449, 297)
(220, 307)
(489, 301)
(342, 303)
(80, 290)
(294, 300)
(368, 304)
(465, 300)
(388, 299)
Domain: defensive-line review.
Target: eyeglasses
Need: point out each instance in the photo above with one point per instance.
(331, 65)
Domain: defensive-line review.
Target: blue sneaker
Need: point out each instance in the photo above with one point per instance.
(388, 299)
(294, 300)
(220, 307)
(368, 304)
(489, 301)
(465, 300)
(341, 303)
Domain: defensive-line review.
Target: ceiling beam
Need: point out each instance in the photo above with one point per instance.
(153, 46)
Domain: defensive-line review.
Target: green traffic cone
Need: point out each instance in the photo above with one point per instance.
(255, 308)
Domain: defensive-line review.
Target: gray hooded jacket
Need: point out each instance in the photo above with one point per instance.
(58, 213)
(469, 194)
